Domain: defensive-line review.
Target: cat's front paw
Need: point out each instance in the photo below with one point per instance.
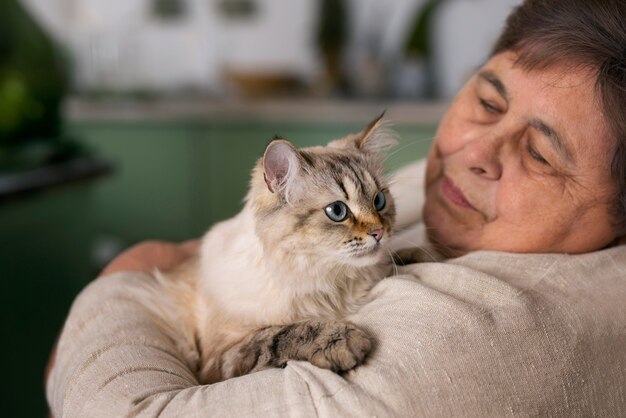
(334, 345)
(339, 346)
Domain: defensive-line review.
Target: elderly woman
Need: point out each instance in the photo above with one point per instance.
(525, 185)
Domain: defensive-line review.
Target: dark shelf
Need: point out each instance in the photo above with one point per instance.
(82, 168)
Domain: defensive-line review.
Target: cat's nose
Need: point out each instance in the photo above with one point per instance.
(377, 234)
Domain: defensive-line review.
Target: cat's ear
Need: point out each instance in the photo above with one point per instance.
(281, 163)
(376, 136)
(374, 139)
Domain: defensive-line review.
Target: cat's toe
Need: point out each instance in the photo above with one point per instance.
(343, 349)
(360, 344)
(241, 360)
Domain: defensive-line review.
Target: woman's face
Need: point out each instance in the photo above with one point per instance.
(521, 162)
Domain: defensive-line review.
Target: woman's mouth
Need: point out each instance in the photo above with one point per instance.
(454, 194)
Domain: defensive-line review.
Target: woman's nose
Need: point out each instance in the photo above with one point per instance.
(482, 157)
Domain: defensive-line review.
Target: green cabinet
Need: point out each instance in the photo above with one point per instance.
(45, 260)
(175, 179)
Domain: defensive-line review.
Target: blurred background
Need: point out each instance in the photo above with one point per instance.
(125, 120)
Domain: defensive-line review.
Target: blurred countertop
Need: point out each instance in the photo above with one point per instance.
(17, 183)
(303, 110)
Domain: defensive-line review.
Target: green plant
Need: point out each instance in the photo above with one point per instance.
(332, 28)
(169, 9)
(32, 78)
(33, 83)
(418, 41)
(238, 9)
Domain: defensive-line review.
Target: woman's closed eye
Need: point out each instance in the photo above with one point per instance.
(536, 155)
(489, 106)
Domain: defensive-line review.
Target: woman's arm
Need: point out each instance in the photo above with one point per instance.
(489, 334)
(143, 257)
(115, 358)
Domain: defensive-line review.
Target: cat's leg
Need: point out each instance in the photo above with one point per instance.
(334, 345)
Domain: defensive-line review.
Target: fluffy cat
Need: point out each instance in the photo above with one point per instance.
(275, 282)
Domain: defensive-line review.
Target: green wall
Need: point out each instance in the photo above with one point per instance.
(175, 180)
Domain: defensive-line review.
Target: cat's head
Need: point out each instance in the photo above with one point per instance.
(332, 203)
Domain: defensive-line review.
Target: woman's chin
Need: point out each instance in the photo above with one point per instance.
(448, 243)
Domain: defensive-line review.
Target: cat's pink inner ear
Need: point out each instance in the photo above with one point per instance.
(279, 161)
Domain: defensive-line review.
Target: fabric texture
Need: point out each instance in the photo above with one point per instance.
(487, 334)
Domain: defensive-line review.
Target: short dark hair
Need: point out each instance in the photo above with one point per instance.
(588, 33)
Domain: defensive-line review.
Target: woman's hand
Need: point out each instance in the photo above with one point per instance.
(148, 255)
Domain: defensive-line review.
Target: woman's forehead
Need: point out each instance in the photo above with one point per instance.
(564, 97)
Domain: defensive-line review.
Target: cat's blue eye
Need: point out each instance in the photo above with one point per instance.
(337, 211)
(380, 201)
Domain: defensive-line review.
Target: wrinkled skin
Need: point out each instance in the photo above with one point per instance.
(521, 163)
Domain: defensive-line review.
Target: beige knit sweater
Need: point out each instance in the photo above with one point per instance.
(487, 334)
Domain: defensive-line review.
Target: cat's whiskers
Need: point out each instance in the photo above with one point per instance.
(407, 145)
(393, 262)
(360, 248)
(429, 252)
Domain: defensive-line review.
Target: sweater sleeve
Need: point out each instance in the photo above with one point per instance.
(486, 335)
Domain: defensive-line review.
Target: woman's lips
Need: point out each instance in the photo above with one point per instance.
(452, 193)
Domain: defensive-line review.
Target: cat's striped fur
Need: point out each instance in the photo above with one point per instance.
(276, 281)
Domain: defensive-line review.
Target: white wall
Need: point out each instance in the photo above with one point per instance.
(280, 38)
(117, 45)
(464, 32)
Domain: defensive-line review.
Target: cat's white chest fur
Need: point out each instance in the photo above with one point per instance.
(234, 273)
(260, 286)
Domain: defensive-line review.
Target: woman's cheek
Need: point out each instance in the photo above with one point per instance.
(517, 201)
(452, 136)
(433, 167)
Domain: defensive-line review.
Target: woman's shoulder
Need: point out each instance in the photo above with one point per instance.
(491, 331)
(487, 283)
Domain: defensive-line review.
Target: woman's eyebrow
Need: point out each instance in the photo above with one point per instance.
(555, 138)
(491, 78)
